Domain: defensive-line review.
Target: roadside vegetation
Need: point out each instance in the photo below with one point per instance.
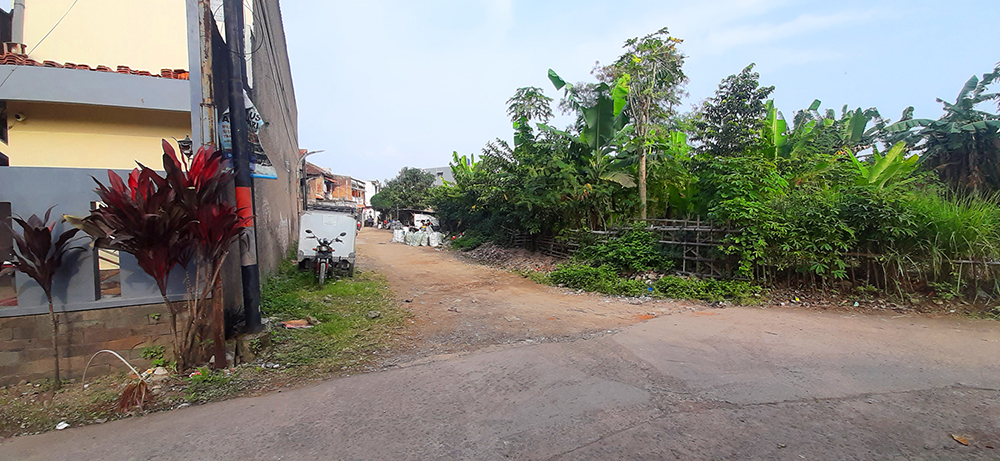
(352, 321)
(842, 200)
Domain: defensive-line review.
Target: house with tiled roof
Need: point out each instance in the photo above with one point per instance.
(89, 89)
(88, 86)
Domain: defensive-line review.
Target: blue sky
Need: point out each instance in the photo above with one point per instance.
(383, 84)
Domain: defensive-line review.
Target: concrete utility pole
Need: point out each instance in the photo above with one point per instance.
(233, 11)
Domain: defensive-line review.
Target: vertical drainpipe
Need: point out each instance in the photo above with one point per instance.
(233, 10)
(17, 22)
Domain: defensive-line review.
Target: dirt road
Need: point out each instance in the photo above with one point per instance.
(735, 383)
(459, 307)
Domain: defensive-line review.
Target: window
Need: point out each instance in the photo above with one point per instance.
(8, 289)
(108, 270)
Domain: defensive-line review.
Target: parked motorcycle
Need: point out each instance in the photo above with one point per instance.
(324, 255)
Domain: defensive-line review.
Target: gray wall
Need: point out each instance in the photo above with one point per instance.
(277, 205)
(52, 84)
(32, 190)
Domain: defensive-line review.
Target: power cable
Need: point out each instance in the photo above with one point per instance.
(43, 39)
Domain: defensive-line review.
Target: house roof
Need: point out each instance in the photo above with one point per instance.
(314, 170)
(14, 59)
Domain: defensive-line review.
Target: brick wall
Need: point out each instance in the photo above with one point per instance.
(26, 342)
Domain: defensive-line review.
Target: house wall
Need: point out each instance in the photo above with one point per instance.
(78, 136)
(26, 342)
(276, 202)
(106, 33)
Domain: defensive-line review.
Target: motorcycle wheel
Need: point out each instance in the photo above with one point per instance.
(322, 274)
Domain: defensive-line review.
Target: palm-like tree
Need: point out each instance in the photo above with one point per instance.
(962, 146)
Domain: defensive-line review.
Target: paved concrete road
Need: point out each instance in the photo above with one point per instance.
(733, 383)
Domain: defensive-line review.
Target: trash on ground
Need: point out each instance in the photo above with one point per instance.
(960, 439)
(295, 324)
(62, 425)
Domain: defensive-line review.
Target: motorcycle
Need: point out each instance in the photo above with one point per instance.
(324, 255)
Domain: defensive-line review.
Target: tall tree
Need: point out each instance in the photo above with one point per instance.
(732, 122)
(651, 67)
(529, 103)
(409, 189)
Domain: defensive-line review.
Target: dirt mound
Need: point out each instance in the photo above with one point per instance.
(511, 258)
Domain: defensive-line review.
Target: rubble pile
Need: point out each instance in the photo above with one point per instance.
(511, 258)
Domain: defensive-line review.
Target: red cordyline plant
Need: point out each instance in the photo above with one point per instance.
(39, 257)
(169, 221)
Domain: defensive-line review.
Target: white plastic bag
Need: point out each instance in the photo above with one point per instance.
(397, 236)
(435, 239)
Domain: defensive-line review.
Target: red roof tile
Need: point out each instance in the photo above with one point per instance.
(13, 59)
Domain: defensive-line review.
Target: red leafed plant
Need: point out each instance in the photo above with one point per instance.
(169, 221)
(39, 257)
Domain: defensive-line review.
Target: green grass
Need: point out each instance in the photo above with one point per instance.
(346, 333)
(605, 279)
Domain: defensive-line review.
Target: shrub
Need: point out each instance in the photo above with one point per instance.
(469, 241)
(633, 251)
(603, 279)
(741, 292)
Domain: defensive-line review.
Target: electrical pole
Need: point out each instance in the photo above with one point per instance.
(233, 11)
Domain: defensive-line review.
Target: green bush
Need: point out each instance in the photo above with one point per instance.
(469, 241)
(739, 291)
(603, 279)
(633, 251)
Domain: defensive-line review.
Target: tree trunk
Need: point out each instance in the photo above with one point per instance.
(642, 183)
(218, 326)
(55, 335)
(173, 331)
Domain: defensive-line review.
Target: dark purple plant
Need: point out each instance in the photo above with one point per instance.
(39, 257)
(171, 220)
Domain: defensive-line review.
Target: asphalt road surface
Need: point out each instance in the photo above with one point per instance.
(737, 383)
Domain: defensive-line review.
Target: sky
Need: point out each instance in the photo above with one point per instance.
(383, 84)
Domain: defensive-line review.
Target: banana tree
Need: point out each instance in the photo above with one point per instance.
(891, 170)
(963, 146)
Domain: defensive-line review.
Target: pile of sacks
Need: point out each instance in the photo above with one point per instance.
(423, 237)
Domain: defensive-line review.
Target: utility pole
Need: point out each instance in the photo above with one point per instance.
(233, 11)
(206, 114)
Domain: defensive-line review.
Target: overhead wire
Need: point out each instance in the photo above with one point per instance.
(43, 39)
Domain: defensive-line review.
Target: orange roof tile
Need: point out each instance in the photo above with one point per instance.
(13, 59)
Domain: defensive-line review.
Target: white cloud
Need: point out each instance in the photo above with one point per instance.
(762, 34)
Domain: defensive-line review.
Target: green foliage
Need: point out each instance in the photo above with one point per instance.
(731, 123)
(802, 199)
(347, 332)
(893, 169)
(155, 355)
(738, 291)
(633, 251)
(963, 146)
(469, 241)
(408, 190)
(603, 279)
(205, 385)
(529, 103)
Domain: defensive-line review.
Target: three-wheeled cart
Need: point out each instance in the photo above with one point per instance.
(329, 221)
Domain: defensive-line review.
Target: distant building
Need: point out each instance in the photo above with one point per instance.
(441, 174)
(324, 186)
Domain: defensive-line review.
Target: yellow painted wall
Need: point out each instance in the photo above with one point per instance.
(142, 34)
(68, 135)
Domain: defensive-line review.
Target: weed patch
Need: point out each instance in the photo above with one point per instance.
(605, 279)
(353, 318)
